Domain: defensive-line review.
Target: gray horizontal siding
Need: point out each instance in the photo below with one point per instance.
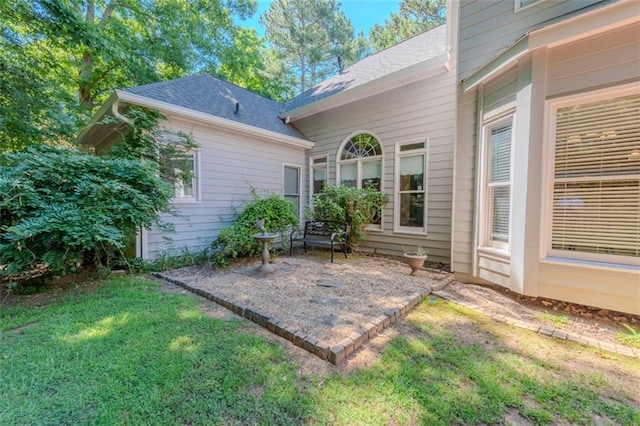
(420, 110)
(230, 165)
(602, 60)
(488, 27)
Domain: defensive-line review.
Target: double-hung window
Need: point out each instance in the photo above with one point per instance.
(410, 194)
(180, 168)
(498, 140)
(595, 176)
(317, 175)
(292, 186)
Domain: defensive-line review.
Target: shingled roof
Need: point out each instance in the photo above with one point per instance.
(207, 94)
(396, 58)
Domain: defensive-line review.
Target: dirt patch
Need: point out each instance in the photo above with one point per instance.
(589, 322)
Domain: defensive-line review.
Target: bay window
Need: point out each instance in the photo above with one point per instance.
(595, 178)
(498, 139)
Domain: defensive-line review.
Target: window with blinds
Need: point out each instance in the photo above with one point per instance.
(596, 178)
(498, 183)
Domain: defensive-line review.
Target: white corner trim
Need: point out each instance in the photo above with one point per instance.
(231, 125)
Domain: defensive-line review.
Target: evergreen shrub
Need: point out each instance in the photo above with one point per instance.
(355, 207)
(237, 240)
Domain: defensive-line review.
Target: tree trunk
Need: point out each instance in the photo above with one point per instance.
(84, 85)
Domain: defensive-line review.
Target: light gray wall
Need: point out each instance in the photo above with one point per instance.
(485, 29)
(230, 164)
(601, 60)
(488, 27)
(420, 110)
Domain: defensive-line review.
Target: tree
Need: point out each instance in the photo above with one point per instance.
(309, 37)
(252, 65)
(415, 17)
(66, 56)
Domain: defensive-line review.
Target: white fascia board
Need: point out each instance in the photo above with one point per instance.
(224, 123)
(606, 18)
(420, 71)
(609, 17)
(97, 116)
(497, 65)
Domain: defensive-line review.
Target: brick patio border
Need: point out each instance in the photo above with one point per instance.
(546, 330)
(336, 354)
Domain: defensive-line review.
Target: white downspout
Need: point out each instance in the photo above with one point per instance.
(116, 113)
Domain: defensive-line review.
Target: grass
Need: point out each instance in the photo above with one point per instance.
(130, 354)
(557, 320)
(631, 338)
(431, 375)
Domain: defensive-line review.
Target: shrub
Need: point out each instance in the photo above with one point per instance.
(355, 207)
(237, 240)
(61, 208)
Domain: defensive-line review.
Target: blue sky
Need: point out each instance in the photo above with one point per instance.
(362, 13)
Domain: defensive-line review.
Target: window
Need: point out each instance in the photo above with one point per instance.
(497, 183)
(318, 175)
(181, 169)
(292, 186)
(360, 166)
(410, 194)
(595, 210)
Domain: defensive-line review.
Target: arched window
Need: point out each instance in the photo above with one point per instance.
(360, 164)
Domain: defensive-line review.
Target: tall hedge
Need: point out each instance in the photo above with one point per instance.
(60, 207)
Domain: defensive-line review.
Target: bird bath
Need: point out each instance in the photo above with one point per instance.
(265, 238)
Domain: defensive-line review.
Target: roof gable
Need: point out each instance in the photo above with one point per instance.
(401, 56)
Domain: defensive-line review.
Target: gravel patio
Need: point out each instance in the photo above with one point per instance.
(329, 309)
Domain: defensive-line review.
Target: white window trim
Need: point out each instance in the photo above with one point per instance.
(397, 229)
(195, 199)
(499, 116)
(311, 167)
(374, 228)
(299, 167)
(549, 146)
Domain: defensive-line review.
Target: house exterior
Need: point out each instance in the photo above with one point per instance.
(242, 145)
(386, 121)
(546, 194)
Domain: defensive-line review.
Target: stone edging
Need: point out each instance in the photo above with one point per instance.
(546, 330)
(336, 354)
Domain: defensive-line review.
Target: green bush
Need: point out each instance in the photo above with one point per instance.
(355, 207)
(62, 208)
(237, 240)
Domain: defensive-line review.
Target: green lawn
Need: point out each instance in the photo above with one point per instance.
(130, 354)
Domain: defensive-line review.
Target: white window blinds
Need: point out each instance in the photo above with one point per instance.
(499, 182)
(596, 188)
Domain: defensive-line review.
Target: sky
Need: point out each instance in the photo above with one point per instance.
(363, 14)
